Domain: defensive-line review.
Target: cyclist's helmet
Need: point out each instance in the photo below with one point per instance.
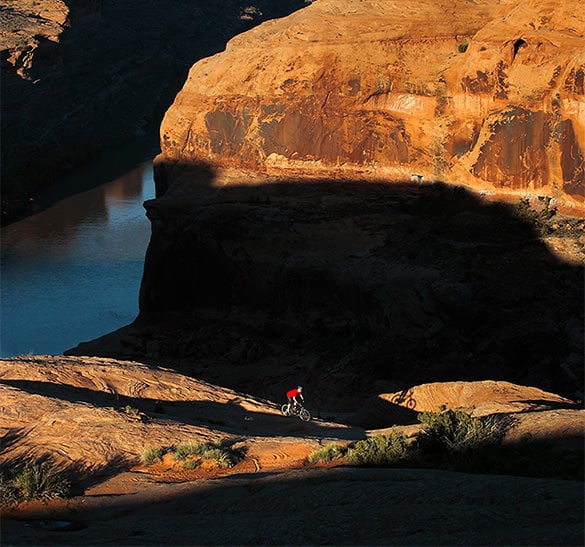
(300, 388)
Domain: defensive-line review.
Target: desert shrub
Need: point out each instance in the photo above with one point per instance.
(191, 463)
(184, 450)
(193, 453)
(386, 450)
(131, 411)
(457, 431)
(462, 48)
(33, 481)
(8, 491)
(453, 439)
(329, 452)
(222, 456)
(152, 455)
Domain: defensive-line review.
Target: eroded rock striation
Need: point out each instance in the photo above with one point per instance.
(77, 414)
(484, 94)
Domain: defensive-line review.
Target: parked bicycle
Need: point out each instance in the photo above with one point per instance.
(296, 410)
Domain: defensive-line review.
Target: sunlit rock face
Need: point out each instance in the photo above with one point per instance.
(485, 94)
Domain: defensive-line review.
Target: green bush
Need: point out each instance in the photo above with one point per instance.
(455, 440)
(222, 456)
(382, 450)
(462, 48)
(35, 481)
(329, 452)
(8, 491)
(184, 450)
(193, 453)
(191, 463)
(457, 431)
(131, 411)
(150, 456)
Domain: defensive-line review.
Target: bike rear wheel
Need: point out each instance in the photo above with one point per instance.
(285, 409)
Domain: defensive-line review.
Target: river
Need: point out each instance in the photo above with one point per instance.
(72, 272)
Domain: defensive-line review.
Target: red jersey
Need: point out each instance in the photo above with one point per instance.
(293, 393)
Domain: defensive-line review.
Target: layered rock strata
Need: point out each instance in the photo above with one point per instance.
(81, 77)
(484, 94)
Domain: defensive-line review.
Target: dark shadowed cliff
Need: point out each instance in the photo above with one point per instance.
(336, 283)
(81, 77)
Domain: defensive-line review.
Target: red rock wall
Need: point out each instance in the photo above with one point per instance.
(489, 95)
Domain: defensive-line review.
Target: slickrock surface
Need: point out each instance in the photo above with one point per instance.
(74, 408)
(526, 404)
(481, 398)
(26, 25)
(486, 94)
(71, 410)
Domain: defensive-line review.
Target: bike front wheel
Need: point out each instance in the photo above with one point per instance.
(304, 415)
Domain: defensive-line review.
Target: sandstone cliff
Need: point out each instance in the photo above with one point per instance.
(310, 267)
(484, 94)
(80, 77)
(352, 287)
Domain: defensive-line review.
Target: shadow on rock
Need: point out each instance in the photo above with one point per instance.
(351, 288)
(230, 417)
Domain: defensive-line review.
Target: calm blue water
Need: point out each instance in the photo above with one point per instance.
(72, 273)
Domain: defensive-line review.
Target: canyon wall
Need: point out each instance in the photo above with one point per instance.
(81, 77)
(485, 94)
(289, 243)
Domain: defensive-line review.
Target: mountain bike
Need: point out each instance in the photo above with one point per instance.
(296, 410)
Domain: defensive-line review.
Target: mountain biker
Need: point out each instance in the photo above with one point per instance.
(292, 396)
